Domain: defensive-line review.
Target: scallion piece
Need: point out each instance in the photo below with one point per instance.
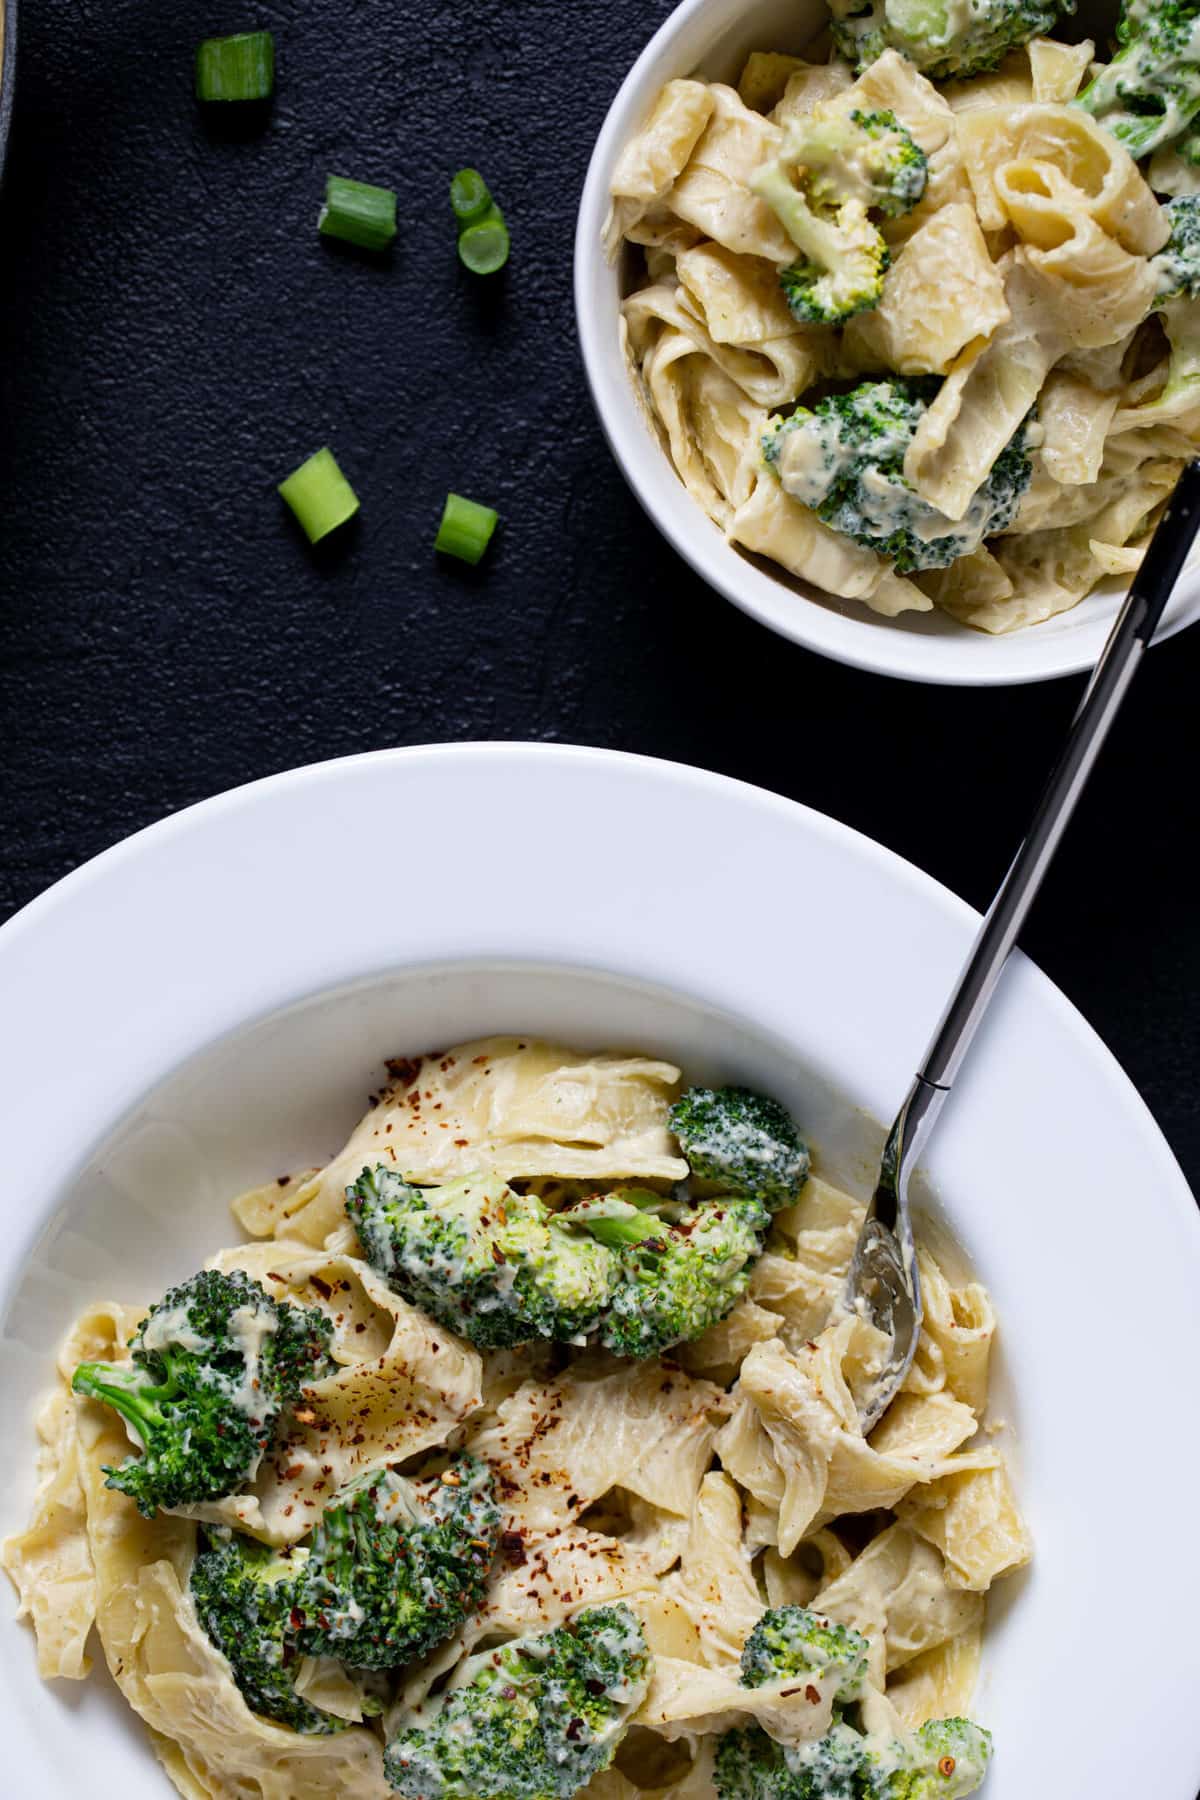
(469, 196)
(358, 213)
(466, 528)
(319, 495)
(241, 67)
(484, 246)
(482, 234)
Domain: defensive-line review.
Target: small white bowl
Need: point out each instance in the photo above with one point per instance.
(713, 38)
(210, 1002)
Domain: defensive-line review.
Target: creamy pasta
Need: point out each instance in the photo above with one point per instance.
(700, 1488)
(1014, 311)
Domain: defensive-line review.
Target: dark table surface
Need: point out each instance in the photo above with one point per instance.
(174, 339)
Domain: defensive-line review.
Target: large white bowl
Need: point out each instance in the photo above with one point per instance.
(713, 38)
(209, 1003)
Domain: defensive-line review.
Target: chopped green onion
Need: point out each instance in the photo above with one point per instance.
(484, 246)
(469, 196)
(482, 234)
(319, 495)
(241, 67)
(466, 528)
(358, 213)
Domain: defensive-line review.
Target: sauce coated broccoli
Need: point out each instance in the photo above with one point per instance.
(1177, 266)
(845, 460)
(244, 1593)
(214, 1365)
(1150, 92)
(946, 1759)
(535, 1719)
(832, 170)
(491, 1264)
(681, 1267)
(746, 1142)
(944, 38)
(395, 1566)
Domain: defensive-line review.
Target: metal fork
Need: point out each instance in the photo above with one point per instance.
(883, 1284)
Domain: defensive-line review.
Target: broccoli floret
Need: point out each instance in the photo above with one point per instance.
(867, 156)
(491, 1264)
(845, 460)
(395, 1566)
(244, 1593)
(1150, 92)
(944, 38)
(947, 1759)
(214, 1364)
(791, 1640)
(535, 1719)
(746, 1141)
(749, 1765)
(681, 1267)
(1177, 264)
(831, 169)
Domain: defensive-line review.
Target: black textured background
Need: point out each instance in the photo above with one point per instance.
(174, 339)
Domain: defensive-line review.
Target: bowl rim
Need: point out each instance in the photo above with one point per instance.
(109, 935)
(847, 632)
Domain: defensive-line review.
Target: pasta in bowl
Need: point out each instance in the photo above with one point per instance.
(516, 1452)
(915, 339)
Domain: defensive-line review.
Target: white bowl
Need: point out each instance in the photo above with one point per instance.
(209, 1003)
(713, 38)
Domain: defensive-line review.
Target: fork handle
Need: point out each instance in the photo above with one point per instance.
(1119, 661)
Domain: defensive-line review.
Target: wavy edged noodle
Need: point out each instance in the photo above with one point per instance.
(50, 1563)
(941, 294)
(972, 1518)
(794, 1441)
(1075, 418)
(685, 1698)
(900, 1594)
(1058, 70)
(560, 1445)
(770, 373)
(1003, 88)
(1039, 167)
(715, 1583)
(940, 1684)
(650, 162)
(520, 1107)
(713, 192)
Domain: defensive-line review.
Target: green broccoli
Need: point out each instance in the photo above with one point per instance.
(944, 38)
(792, 1641)
(1177, 303)
(534, 1719)
(832, 168)
(845, 460)
(749, 1765)
(681, 1267)
(214, 1365)
(395, 1566)
(745, 1141)
(244, 1593)
(1150, 92)
(945, 1760)
(491, 1264)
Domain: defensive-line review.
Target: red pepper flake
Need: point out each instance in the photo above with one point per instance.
(402, 1069)
(461, 1143)
(947, 1766)
(512, 1548)
(323, 1288)
(291, 1473)
(282, 1180)
(812, 1694)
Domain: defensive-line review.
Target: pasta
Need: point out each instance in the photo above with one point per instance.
(698, 1488)
(1015, 307)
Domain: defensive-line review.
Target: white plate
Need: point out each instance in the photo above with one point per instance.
(209, 1003)
(713, 38)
